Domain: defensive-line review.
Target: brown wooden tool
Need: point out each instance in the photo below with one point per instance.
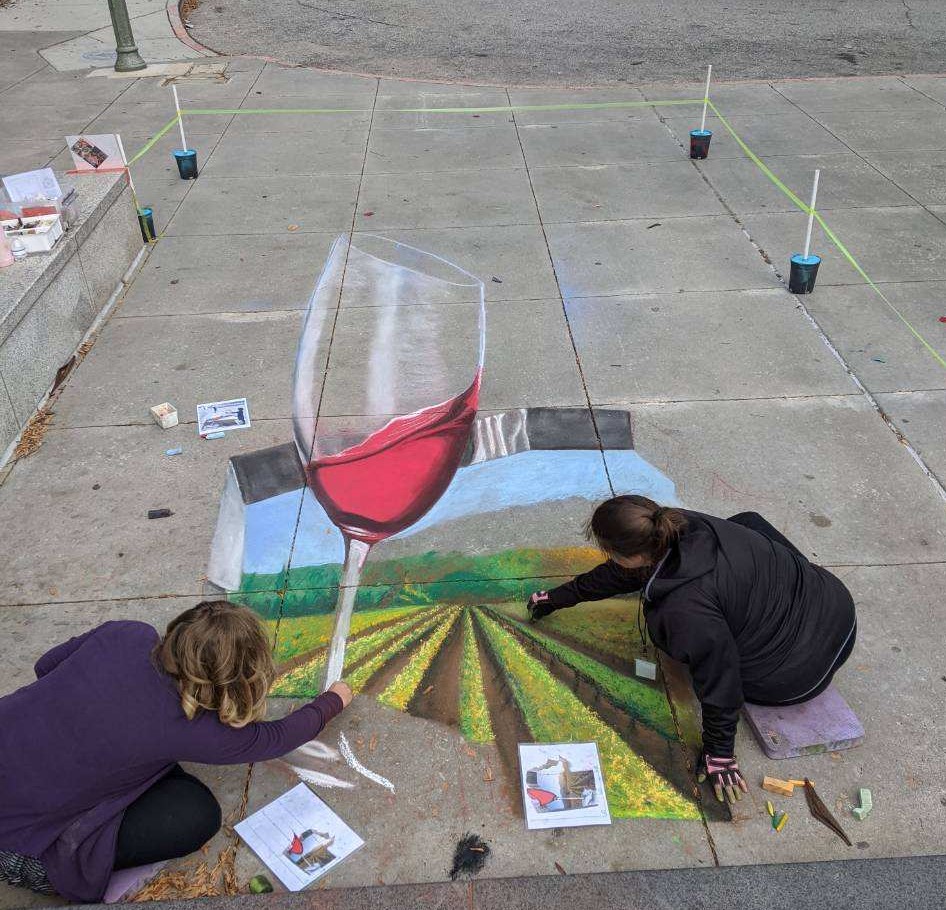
(820, 811)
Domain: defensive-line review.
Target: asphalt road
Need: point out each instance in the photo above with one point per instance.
(584, 42)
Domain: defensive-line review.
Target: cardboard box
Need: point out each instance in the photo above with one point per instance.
(39, 234)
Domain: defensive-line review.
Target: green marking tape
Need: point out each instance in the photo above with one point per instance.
(147, 146)
(588, 106)
(841, 248)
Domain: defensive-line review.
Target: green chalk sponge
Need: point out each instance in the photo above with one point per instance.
(260, 884)
(867, 803)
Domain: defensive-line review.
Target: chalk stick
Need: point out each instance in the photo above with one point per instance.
(781, 787)
(782, 821)
(770, 808)
(867, 803)
(260, 884)
(218, 435)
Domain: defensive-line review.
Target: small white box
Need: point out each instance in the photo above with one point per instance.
(39, 234)
(165, 415)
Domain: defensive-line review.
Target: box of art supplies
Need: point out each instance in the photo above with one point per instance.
(39, 234)
(31, 208)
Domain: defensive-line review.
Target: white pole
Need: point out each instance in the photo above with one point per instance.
(121, 148)
(811, 212)
(709, 73)
(180, 119)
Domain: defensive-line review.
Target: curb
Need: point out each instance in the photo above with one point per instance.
(173, 10)
(181, 33)
(177, 25)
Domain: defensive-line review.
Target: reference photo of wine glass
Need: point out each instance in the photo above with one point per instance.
(381, 427)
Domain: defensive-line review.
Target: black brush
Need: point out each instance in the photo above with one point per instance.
(469, 857)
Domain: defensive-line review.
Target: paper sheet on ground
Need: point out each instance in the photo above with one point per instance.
(222, 416)
(562, 785)
(298, 837)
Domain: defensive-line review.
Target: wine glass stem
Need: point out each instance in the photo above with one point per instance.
(356, 552)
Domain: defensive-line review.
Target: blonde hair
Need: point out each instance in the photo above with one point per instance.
(219, 656)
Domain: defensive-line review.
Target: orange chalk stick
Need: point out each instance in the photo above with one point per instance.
(774, 785)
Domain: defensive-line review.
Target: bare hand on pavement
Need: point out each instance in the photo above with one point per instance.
(343, 691)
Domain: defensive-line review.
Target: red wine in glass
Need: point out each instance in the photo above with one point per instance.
(391, 479)
(421, 324)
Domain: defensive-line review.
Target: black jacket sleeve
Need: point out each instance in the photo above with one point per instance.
(696, 633)
(606, 580)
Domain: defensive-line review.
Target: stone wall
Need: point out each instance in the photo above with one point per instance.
(49, 301)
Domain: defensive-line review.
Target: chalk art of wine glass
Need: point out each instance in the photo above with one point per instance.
(407, 331)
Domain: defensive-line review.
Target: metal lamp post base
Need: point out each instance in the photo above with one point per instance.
(128, 59)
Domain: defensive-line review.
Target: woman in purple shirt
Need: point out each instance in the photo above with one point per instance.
(89, 780)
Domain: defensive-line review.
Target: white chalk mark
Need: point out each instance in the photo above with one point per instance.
(318, 779)
(356, 765)
(315, 749)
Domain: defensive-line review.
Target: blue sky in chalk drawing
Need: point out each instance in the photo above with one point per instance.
(491, 486)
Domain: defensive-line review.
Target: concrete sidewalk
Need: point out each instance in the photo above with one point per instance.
(74, 35)
(628, 277)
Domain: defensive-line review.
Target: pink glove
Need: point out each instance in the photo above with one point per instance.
(724, 775)
(539, 606)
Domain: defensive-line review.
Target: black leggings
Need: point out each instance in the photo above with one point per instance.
(756, 522)
(175, 816)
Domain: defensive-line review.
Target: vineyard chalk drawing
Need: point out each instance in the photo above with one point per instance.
(435, 623)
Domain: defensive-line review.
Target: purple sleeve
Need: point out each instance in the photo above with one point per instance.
(214, 743)
(55, 656)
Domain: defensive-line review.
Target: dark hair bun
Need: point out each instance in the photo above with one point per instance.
(635, 525)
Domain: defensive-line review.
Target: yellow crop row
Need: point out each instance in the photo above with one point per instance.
(474, 712)
(554, 714)
(359, 678)
(306, 680)
(402, 688)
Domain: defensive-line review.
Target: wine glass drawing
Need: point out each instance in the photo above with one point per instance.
(406, 338)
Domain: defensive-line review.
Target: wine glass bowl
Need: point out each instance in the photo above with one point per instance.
(382, 433)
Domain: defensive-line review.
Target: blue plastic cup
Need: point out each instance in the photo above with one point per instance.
(186, 163)
(803, 274)
(146, 223)
(700, 143)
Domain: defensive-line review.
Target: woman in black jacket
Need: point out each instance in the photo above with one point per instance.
(732, 599)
